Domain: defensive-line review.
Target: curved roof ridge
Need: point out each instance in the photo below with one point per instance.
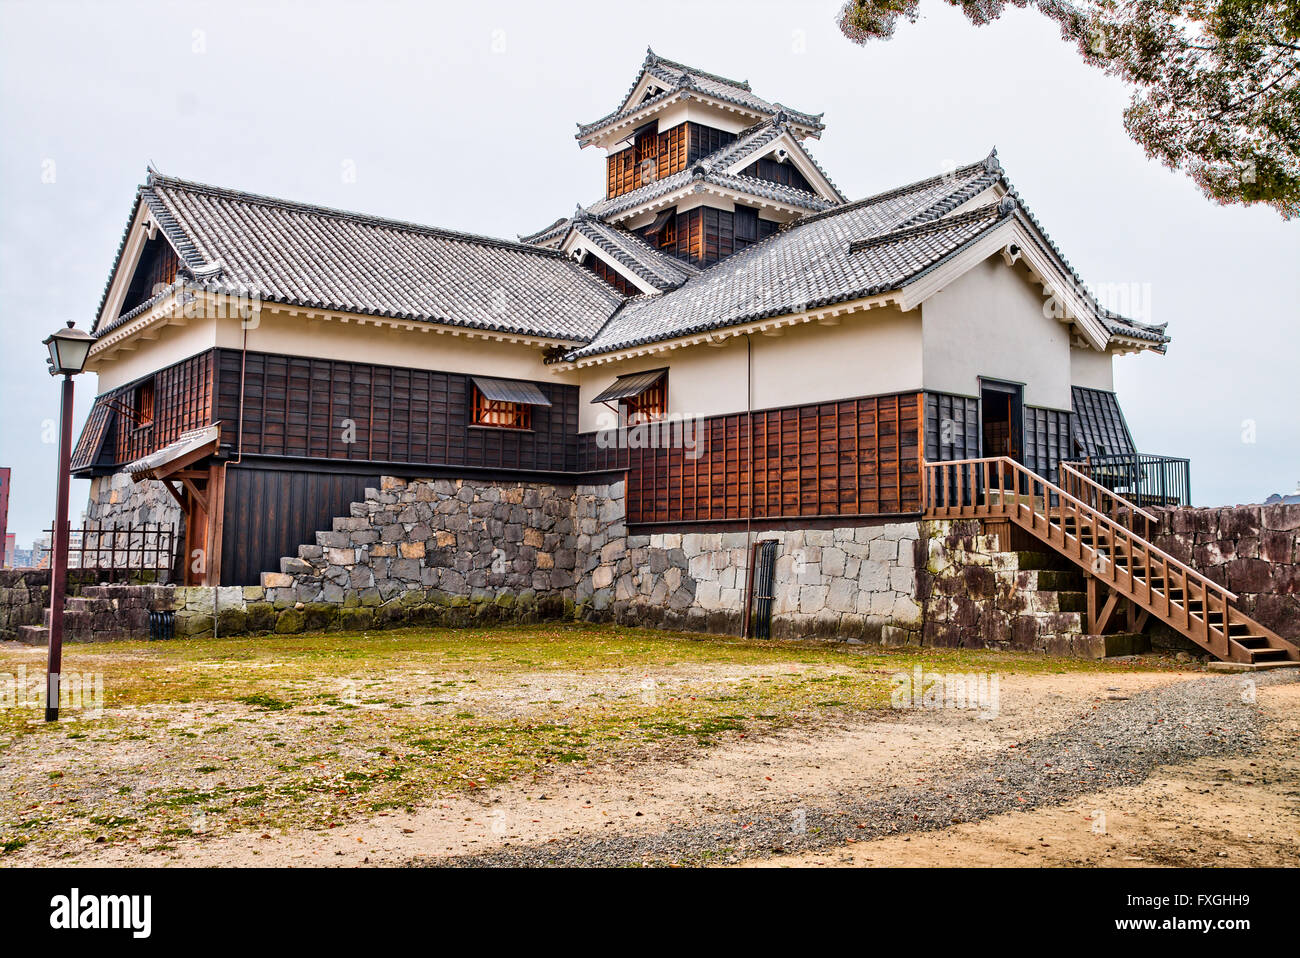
(158, 180)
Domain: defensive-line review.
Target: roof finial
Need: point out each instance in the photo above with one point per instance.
(991, 162)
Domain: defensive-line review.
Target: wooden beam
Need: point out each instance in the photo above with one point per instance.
(216, 489)
(199, 498)
(176, 493)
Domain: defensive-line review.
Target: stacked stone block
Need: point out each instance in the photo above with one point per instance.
(1253, 551)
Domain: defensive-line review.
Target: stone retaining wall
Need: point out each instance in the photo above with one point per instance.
(118, 498)
(462, 552)
(1253, 551)
(25, 596)
(447, 551)
(452, 552)
(848, 582)
(975, 594)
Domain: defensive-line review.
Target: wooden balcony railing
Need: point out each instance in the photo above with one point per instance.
(1104, 543)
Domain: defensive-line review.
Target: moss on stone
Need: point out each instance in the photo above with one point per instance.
(357, 618)
(260, 616)
(320, 616)
(289, 621)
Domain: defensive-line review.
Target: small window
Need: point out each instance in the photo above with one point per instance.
(142, 404)
(500, 414)
(649, 405)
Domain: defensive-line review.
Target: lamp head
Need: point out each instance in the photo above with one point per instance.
(69, 349)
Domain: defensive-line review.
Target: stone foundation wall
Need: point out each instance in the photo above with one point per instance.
(118, 498)
(975, 594)
(1253, 551)
(25, 596)
(464, 552)
(452, 552)
(849, 582)
(457, 552)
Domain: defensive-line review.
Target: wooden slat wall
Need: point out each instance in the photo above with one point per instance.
(297, 406)
(855, 457)
(1047, 440)
(611, 276)
(963, 436)
(183, 400)
(589, 456)
(783, 173)
(269, 513)
(672, 151)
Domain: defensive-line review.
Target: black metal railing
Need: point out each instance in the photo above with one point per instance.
(1144, 479)
(138, 552)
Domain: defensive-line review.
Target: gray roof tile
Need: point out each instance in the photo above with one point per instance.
(812, 262)
(316, 257)
(656, 267)
(676, 77)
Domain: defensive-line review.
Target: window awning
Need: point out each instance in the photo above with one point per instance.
(188, 448)
(661, 221)
(510, 390)
(633, 384)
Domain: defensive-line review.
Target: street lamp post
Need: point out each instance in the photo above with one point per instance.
(69, 349)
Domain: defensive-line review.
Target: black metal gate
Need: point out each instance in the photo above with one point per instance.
(763, 589)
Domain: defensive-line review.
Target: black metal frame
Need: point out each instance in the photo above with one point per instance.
(763, 598)
(1142, 478)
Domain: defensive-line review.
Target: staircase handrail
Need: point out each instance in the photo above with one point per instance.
(1050, 487)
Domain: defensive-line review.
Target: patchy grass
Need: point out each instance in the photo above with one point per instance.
(204, 737)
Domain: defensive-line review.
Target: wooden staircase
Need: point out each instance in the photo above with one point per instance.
(1109, 538)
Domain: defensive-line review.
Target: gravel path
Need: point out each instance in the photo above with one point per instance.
(1117, 744)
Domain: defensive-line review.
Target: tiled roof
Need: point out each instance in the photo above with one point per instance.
(860, 249)
(656, 267)
(815, 261)
(748, 143)
(1116, 324)
(547, 235)
(701, 174)
(676, 77)
(327, 259)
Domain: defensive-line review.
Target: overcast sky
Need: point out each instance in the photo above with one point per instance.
(462, 115)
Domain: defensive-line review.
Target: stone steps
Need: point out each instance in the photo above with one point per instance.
(33, 635)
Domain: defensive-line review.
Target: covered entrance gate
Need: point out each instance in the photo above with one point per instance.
(197, 480)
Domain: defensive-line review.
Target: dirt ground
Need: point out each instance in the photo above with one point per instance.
(1214, 812)
(663, 748)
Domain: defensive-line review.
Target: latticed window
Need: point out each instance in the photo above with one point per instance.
(502, 415)
(621, 172)
(143, 404)
(650, 405)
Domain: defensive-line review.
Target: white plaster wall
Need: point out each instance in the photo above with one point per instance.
(280, 332)
(990, 322)
(870, 352)
(173, 344)
(702, 380)
(1089, 367)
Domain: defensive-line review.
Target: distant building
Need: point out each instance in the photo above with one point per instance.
(6, 540)
(10, 547)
